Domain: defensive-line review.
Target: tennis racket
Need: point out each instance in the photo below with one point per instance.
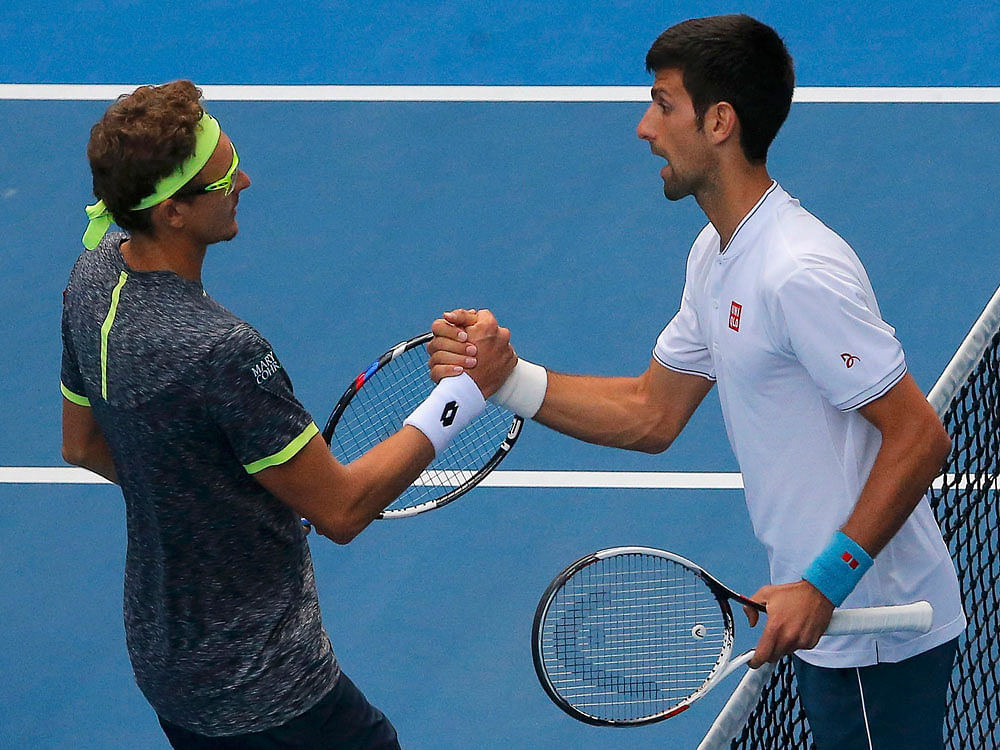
(378, 400)
(633, 635)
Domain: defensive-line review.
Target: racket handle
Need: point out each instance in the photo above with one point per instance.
(914, 617)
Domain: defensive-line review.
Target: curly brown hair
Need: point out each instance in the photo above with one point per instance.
(143, 137)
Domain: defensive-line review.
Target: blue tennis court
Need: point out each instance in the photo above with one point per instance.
(366, 219)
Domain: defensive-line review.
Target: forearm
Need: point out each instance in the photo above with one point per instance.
(340, 501)
(606, 411)
(903, 470)
(381, 475)
(643, 413)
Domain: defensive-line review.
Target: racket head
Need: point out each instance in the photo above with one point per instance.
(630, 635)
(374, 406)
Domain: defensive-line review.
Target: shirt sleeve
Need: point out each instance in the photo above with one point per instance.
(829, 321)
(250, 398)
(70, 379)
(681, 345)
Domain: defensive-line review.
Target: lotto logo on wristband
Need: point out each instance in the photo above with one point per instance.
(449, 413)
(848, 558)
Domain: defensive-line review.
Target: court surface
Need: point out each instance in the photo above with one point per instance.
(367, 219)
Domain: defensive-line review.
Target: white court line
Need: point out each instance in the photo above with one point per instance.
(582, 479)
(318, 93)
(639, 480)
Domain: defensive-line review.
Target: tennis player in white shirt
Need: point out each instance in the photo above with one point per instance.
(835, 440)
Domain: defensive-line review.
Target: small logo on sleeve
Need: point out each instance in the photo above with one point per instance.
(849, 359)
(848, 558)
(265, 368)
(735, 310)
(448, 415)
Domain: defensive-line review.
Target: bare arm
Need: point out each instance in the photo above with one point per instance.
(340, 500)
(914, 446)
(83, 443)
(643, 413)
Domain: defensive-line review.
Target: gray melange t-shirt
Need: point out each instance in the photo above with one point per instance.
(222, 619)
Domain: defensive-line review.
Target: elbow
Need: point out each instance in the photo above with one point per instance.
(340, 534)
(656, 437)
(941, 446)
(654, 444)
(341, 528)
(72, 455)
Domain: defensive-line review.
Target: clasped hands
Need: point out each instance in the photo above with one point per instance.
(471, 341)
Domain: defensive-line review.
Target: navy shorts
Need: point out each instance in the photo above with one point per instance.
(342, 720)
(887, 706)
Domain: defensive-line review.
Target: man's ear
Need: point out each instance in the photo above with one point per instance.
(170, 214)
(721, 122)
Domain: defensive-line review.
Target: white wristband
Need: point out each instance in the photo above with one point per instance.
(452, 405)
(524, 390)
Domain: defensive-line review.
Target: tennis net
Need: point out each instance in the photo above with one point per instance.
(965, 500)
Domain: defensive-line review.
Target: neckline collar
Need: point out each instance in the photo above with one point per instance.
(736, 242)
(160, 273)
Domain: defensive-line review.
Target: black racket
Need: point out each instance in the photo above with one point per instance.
(378, 400)
(633, 635)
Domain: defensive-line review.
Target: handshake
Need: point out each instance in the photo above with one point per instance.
(473, 342)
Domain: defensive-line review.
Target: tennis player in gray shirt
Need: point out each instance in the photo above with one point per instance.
(188, 408)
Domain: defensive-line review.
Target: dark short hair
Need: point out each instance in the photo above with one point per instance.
(143, 137)
(734, 59)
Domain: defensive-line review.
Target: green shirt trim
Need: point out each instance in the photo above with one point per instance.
(286, 453)
(76, 398)
(106, 329)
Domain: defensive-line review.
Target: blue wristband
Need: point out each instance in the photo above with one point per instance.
(838, 568)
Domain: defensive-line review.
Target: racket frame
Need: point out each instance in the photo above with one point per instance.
(722, 593)
(513, 432)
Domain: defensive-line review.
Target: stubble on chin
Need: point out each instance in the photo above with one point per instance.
(675, 192)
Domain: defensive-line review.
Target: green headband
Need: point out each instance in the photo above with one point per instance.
(207, 138)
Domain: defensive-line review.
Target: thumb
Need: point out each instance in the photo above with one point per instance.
(461, 317)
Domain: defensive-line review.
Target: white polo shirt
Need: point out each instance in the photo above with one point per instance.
(785, 320)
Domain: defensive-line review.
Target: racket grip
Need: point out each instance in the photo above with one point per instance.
(914, 617)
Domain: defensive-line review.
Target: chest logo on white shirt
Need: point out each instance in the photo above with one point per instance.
(849, 359)
(735, 310)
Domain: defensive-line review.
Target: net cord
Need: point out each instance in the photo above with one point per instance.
(737, 711)
(967, 357)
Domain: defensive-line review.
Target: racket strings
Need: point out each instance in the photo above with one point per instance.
(631, 636)
(378, 410)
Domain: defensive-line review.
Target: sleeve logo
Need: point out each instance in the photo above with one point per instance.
(849, 359)
(448, 415)
(265, 368)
